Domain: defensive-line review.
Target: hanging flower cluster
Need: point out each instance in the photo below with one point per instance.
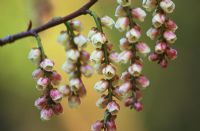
(101, 57)
(163, 30)
(47, 81)
(128, 87)
(76, 63)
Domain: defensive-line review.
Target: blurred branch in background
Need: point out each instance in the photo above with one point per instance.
(50, 24)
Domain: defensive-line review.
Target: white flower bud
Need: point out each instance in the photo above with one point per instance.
(109, 72)
(125, 56)
(68, 67)
(37, 74)
(120, 12)
(98, 39)
(64, 90)
(122, 24)
(101, 86)
(87, 70)
(91, 33)
(102, 102)
(80, 41)
(63, 38)
(75, 84)
(113, 107)
(74, 101)
(167, 5)
(76, 25)
(158, 20)
(152, 33)
(42, 83)
(124, 44)
(143, 81)
(107, 22)
(133, 35)
(149, 5)
(47, 65)
(135, 69)
(97, 56)
(35, 55)
(124, 3)
(124, 89)
(73, 55)
(160, 47)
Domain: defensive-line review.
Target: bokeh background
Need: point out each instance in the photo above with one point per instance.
(171, 102)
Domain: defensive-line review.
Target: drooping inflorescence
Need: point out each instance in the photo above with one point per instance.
(162, 30)
(126, 87)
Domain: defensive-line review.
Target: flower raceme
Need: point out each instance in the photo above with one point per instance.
(126, 87)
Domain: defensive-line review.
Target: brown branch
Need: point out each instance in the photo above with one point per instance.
(50, 24)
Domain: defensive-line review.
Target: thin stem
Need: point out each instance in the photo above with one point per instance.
(50, 24)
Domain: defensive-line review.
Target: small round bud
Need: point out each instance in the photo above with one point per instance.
(46, 114)
(80, 41)
(101, 86)
(122, 24)
(113, 107)
(109, 72)
(107, 22)
(139, 14)
(35, 56)
(47, 65)
(158, 20)
(55, 95)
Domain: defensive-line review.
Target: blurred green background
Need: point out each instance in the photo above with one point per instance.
(171, 102)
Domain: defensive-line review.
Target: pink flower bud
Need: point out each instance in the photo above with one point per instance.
(97, 56)
(124, 3)
(124, 89)
(55, 95)
(87, 70)
(167, 5)
(160, 47)
(120, 12)
(76, 25)
(73, 55)
(46, 114)
(124, 44)
(85, 56)
(139, 14)
(164, 63)
(47, 65)
(143, 48)
(113, 107)
(158, 20)
(138, 106)
(109, 72)
(80, 41)
(64, 90)
(98, 39)
(125, 56)
(35, 56)
(97, 126)
(125, 76)
(58, 109)
(75, 84)
(135, 69)
(171, 25)
(114, 57)
(102, 102)
(107, 22)
(41, 102)
(143, 81)
(42, 83)
(172, 54)
(101, 86)
(55, 78)
(170, 36)
(111, 126)
(82, 91)
(153, 57)
(74, 101)
(129, 101)
(68, 67)
(152, 33)
(37, 74)
(122, 24)
(133, 35)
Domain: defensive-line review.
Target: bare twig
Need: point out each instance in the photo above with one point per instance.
(50, 24)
